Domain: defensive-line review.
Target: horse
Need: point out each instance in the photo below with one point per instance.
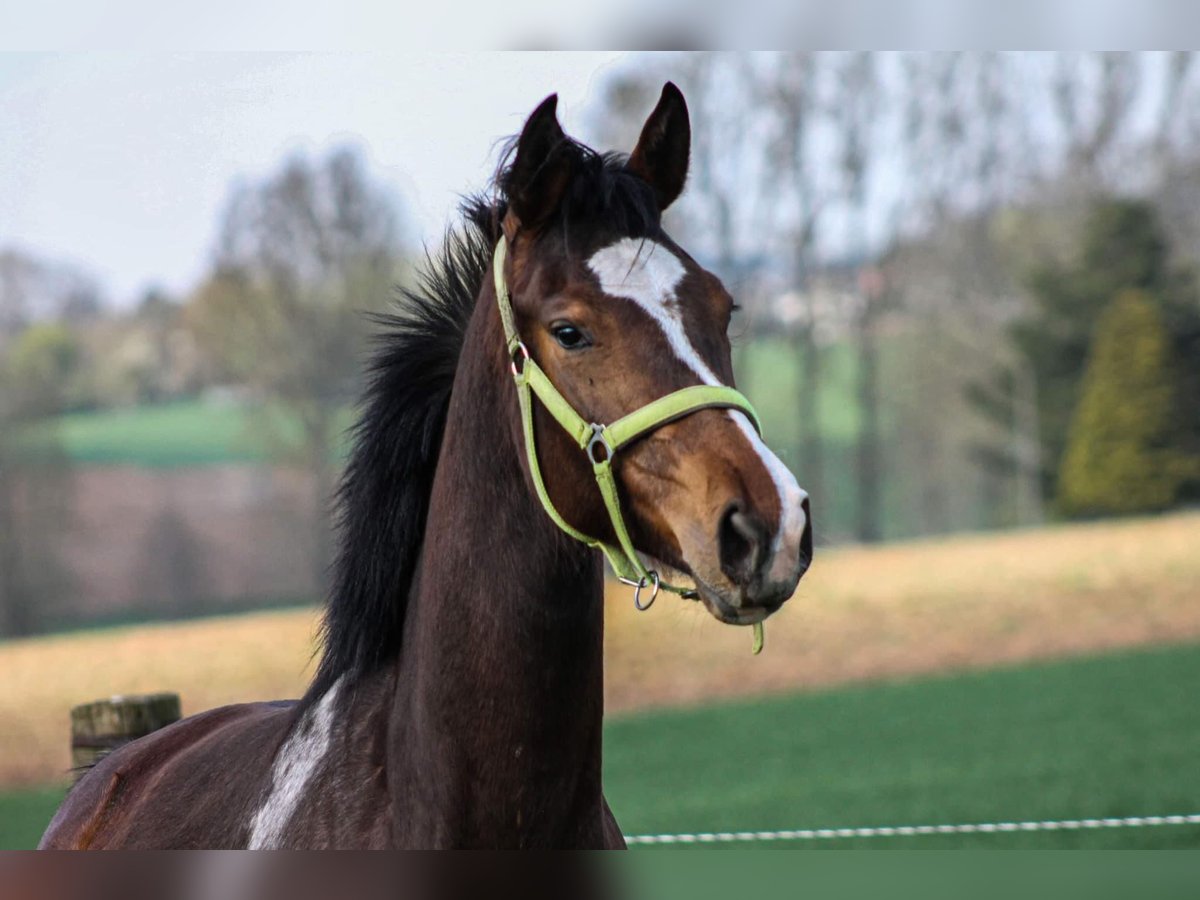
(458, 700)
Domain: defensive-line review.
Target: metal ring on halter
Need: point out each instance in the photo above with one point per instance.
(652, 578)
(520, 351)
(684, 593)
(598, 439)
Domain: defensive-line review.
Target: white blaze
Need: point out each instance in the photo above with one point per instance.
(648, 273)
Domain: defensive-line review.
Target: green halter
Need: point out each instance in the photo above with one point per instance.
(601, 443)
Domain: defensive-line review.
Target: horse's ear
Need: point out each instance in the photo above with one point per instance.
(542, 168)
(661, 154)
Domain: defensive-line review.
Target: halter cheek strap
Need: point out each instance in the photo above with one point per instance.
(601, 443)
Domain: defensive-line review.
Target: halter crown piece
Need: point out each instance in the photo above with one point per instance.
(601, 443)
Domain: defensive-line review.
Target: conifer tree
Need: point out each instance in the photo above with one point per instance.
(1121, 457)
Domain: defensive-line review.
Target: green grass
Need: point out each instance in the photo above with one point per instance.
(24, 815)
(1117, 735)
(1109, 736)
(176, 434)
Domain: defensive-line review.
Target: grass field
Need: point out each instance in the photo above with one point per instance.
(175, 435)
(1113, 735)
(24, 815)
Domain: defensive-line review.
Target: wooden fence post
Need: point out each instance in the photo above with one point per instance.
(100, 727)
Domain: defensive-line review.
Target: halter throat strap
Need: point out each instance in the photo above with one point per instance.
(600, 442)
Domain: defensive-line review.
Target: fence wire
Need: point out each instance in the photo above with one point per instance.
(886, 831)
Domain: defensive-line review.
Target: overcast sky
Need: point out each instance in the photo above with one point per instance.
(122, 162)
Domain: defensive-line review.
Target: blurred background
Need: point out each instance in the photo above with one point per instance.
(970, 320)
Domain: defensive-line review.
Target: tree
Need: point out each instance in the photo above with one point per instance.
(1120, 457)
(792, 90)
(1094, 95)
(300, 258)
(855, 117)
(38, 290)
(1123, 248)
(41, 364)
(731, 183)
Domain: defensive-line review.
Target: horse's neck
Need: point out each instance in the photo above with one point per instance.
(496, 731)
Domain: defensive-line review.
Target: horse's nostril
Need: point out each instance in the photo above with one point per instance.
(742, 543)
(806, 539)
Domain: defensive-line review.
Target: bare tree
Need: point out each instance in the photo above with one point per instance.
(1171, 122)
(1094, 97)
(966, 150)
(300, 257)
(728, 183)
(37, 290)
(790, 92)
(854, 111)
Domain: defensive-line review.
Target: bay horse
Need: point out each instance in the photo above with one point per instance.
(459, 697)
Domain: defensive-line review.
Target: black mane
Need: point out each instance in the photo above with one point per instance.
(383, 500)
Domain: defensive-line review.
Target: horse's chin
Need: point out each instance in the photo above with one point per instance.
(723, 610)
(721, 603)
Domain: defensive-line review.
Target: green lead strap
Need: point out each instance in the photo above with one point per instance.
(601, 443)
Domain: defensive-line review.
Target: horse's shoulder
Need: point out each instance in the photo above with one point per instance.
(97, 811)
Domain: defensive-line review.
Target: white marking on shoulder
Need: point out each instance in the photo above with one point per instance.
(648, 273)
(294, 767)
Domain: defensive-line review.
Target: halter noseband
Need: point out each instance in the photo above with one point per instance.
(601, 443)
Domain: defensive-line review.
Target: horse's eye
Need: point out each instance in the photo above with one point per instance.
(568, 336)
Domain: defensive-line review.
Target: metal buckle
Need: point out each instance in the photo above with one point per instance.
(598, 438)
(520, 351)
(650, 578)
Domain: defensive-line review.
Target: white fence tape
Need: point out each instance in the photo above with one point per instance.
(884, 831)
